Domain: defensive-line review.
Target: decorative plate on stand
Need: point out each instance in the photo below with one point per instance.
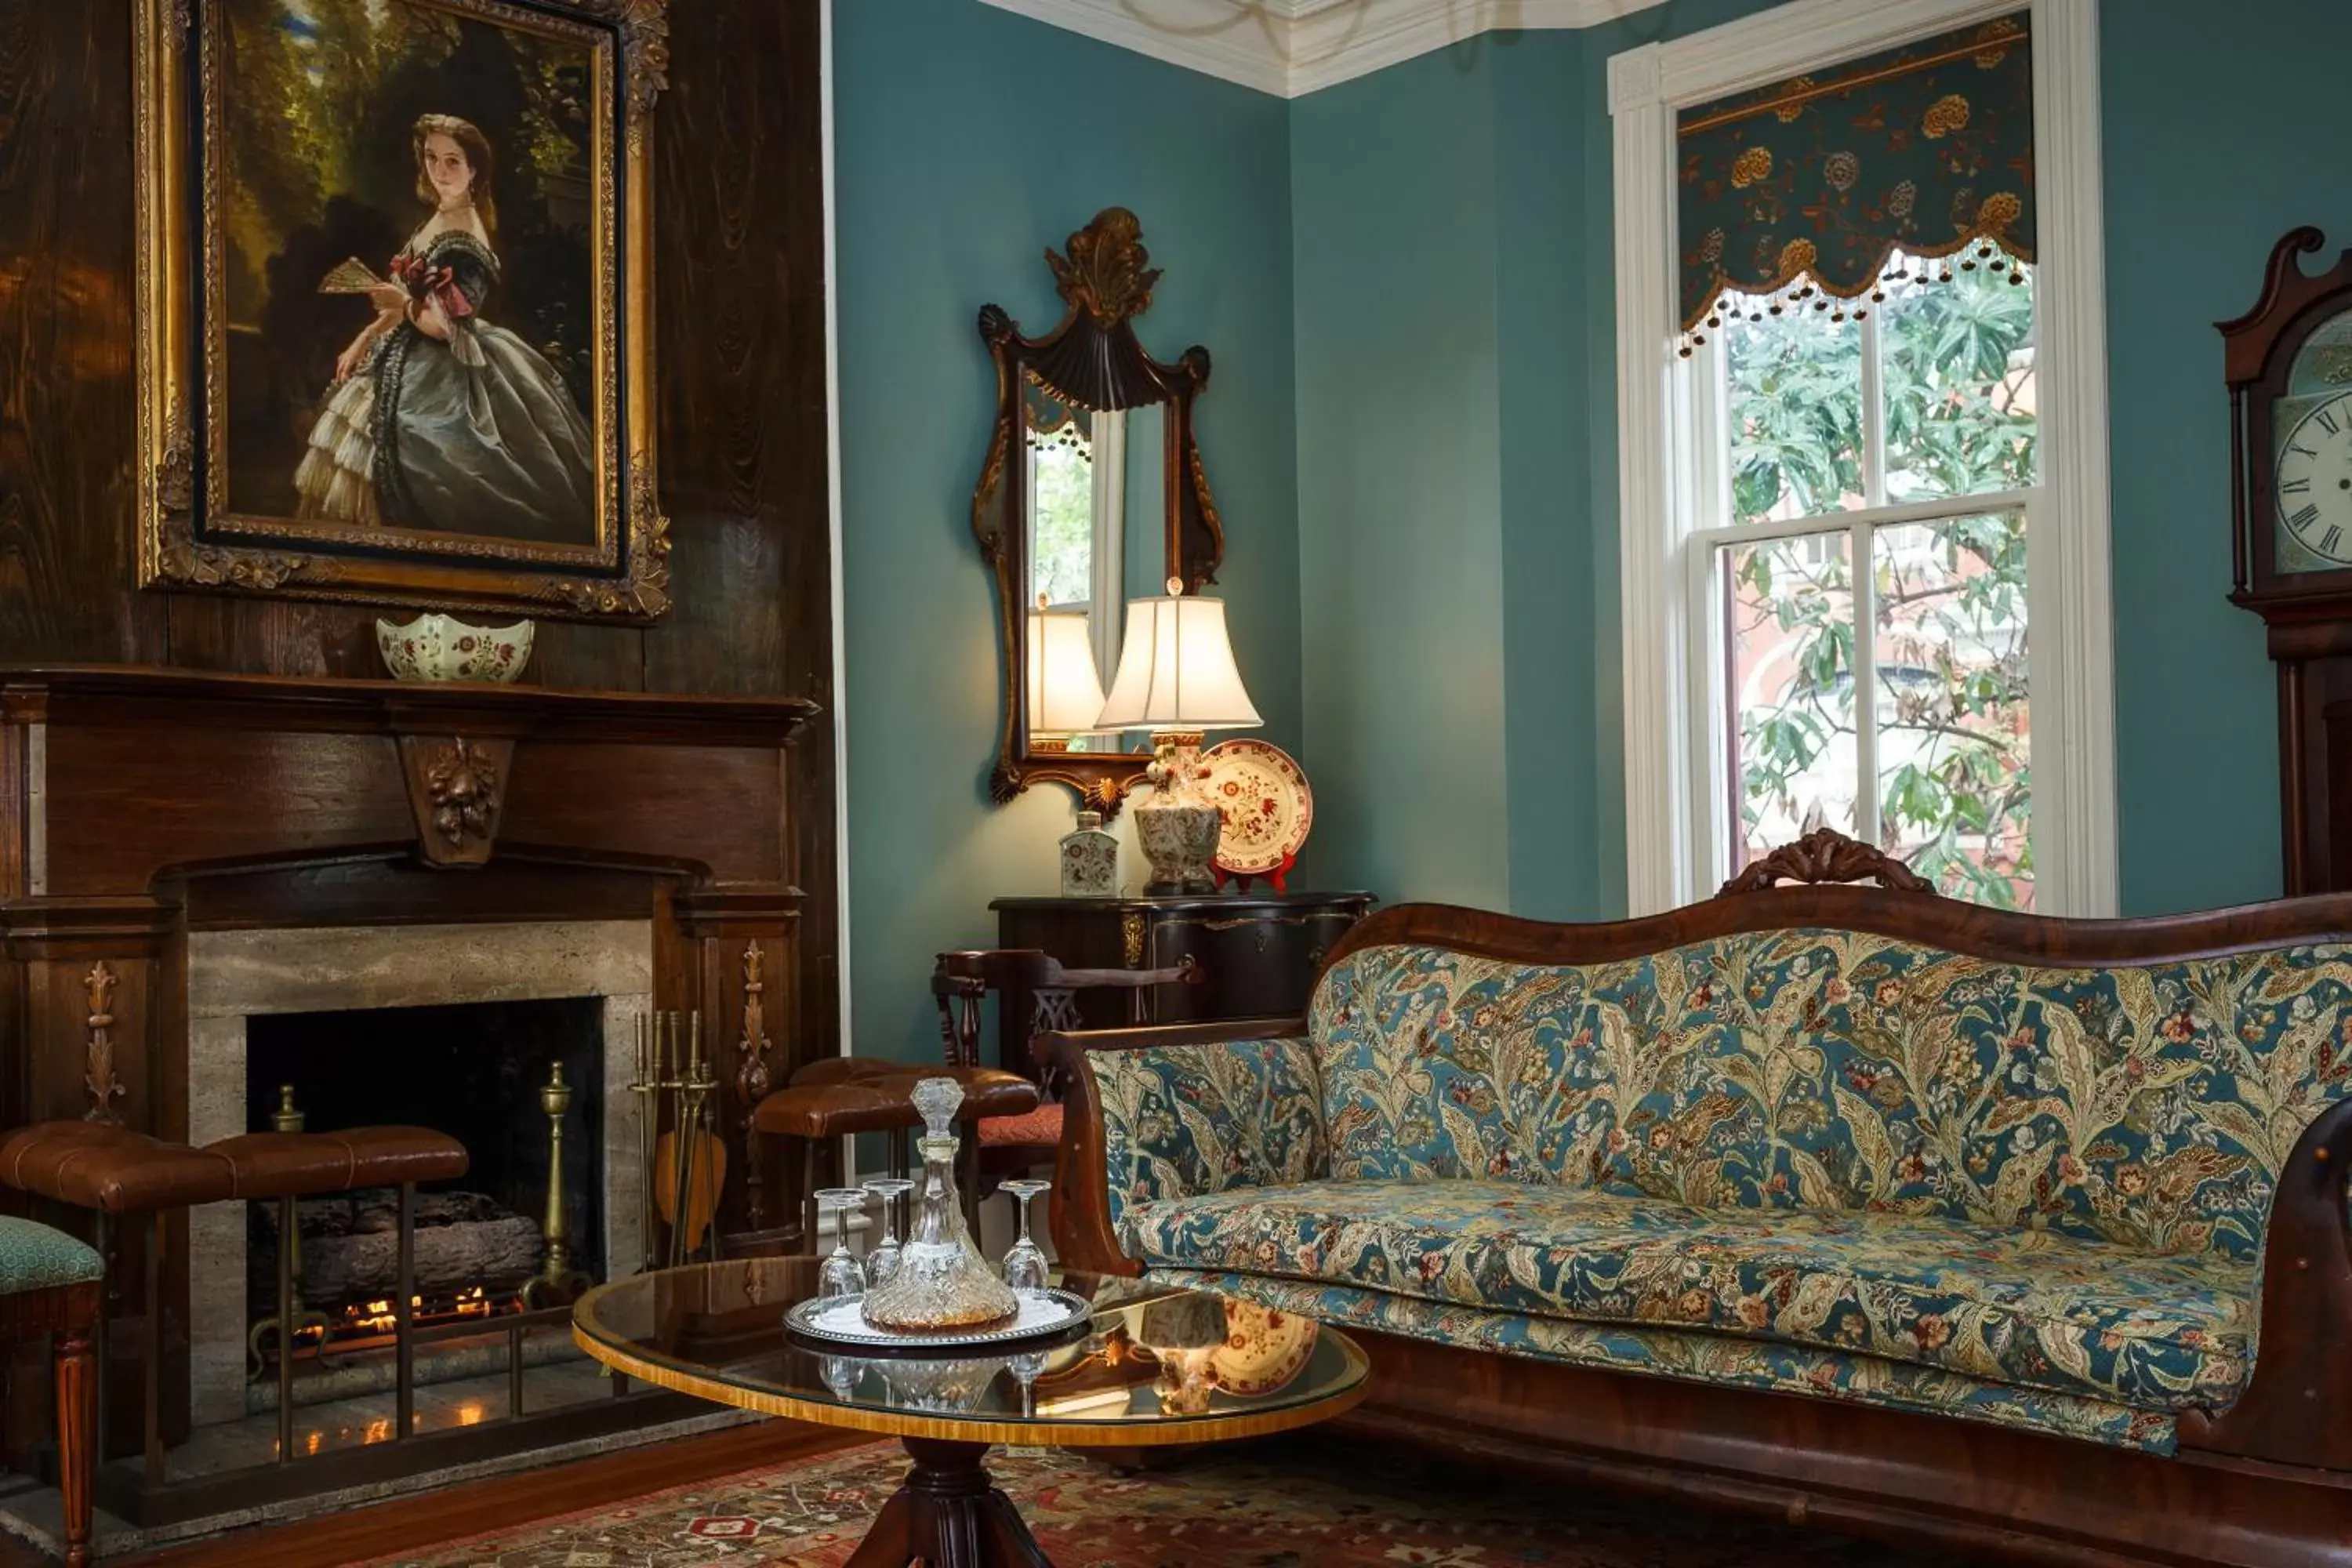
(1267, 806)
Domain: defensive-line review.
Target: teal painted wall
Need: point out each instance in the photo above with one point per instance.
(1400, 476)
(1545, 269)
(2219, 139)
(967, 139)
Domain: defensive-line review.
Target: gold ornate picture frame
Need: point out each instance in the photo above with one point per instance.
(460, 418)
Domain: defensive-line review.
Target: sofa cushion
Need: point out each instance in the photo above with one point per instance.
(2150, 1106)
(1696, 1355)
(34, 1258)
(2035, 1308)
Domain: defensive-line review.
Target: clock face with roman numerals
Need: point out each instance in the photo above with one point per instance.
(2314, 487)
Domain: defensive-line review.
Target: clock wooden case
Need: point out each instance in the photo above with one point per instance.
(2289, 367)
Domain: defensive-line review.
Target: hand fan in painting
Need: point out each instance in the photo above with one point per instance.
(349, 276)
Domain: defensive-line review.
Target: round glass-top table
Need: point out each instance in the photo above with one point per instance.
(1156, 1366)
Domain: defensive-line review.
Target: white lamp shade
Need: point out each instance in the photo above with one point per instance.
(1176, 670)
(1064, 690)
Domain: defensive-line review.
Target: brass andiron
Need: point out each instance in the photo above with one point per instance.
(556, 1278)
(648, 1088)
(288, 1118)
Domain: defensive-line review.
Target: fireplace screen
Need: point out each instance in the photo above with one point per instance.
(476, 1071)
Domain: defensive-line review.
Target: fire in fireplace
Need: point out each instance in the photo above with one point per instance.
(476, 1071)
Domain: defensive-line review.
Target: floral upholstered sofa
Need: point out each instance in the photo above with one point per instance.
(1769, 1151)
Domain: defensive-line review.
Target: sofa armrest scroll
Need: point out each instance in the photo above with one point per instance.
(2296, 1406)
(1084, 1210)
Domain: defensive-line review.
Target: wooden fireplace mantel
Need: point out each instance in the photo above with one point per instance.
(118, 778)
(137, 803)
(65, 693)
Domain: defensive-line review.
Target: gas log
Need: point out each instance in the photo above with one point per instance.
(351, 1247)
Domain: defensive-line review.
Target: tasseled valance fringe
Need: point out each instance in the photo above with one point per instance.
(1806, 294)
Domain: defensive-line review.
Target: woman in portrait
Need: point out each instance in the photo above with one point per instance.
(436, 419)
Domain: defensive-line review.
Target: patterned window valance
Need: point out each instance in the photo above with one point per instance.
(1807, 189)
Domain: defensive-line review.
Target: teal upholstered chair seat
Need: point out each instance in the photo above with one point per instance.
(34, 1258)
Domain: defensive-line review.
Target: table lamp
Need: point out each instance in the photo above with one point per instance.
(1176, 677)
(1065, 692)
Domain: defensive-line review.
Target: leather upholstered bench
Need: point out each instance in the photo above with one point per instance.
(834, 1099)
(112, 1172)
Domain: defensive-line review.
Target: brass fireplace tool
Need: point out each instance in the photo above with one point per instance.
(557, 1278)
(683, 1167)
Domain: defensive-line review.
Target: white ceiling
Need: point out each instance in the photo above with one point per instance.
(1292, 46)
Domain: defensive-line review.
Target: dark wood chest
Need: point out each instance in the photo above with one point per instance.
(1258, 954)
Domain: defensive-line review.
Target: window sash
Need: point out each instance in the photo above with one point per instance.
(1710, 705)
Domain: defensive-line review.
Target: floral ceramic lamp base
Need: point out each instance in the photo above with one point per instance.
(1177, 825)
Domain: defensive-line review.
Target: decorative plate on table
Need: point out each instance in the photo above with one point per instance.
(1268, 808)
(841, 1320)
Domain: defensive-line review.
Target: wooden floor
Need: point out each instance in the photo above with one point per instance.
(414, 1523)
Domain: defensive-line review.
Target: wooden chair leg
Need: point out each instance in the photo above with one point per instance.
(76, 1389)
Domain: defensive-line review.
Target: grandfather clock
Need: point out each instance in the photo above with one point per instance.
(2289, 364)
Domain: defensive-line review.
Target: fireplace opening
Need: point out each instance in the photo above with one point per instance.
(474, 1070)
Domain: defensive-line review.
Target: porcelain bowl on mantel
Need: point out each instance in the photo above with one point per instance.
(438, 647)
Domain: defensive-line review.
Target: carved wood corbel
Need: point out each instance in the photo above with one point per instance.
(456, 791)
(100, 1080)
(753, 1082)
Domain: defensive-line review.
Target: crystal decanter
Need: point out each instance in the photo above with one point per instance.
(942, 1282)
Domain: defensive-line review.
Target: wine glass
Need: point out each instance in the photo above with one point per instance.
(1025, 1370)
(882, 1259)
(1024, 1264)
(841, 1275)
(840, 1374)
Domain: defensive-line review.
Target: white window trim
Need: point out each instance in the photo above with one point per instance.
(2070, 605)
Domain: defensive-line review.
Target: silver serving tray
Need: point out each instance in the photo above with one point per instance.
(1073, 1311)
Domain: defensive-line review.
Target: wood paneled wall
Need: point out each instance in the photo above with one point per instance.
(739, 278)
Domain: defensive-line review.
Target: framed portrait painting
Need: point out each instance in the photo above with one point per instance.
(395, 311)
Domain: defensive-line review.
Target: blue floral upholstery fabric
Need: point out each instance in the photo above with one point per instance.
(2150, 1107)
(1697, 1356)
(34, 1258)
(1798, 1159)
(1189, 1119)
(2033, 1308)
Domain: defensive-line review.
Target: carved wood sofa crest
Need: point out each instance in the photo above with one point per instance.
(2030, 1235)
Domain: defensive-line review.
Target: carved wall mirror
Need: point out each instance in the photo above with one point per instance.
(1092, 494)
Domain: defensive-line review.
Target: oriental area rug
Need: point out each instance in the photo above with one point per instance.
(1298, 1501)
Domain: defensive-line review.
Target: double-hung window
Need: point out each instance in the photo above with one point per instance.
(1858, 589)
(1863, 589)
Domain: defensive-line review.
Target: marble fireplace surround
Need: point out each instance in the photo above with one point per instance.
(235, 975)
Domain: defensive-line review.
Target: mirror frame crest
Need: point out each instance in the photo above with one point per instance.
(1091, 359)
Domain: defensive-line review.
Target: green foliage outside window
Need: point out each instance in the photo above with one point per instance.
(1955, 785)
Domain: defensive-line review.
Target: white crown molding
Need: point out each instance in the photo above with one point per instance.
(1290, 48)
(1205, 36)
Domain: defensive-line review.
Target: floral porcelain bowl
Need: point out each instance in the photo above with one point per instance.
(436, 647)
